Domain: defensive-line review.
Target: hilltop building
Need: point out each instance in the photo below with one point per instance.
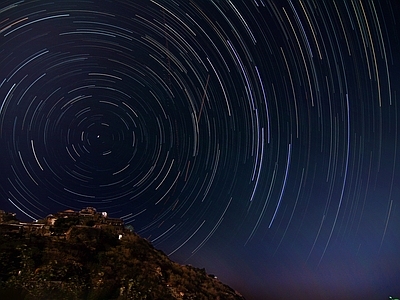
(50, 226)
(7, 217)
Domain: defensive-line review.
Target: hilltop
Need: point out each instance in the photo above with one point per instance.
(87, 255)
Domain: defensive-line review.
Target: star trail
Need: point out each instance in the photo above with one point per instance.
(257, 139)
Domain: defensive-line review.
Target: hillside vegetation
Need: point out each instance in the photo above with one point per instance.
(86, 262)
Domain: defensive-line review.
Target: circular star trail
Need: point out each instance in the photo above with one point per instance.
(261, 132)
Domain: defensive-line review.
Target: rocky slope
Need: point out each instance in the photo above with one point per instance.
(93, 263)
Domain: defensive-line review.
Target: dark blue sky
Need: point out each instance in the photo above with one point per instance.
(257, 139)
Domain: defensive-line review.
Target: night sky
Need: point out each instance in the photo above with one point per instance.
(255, 138)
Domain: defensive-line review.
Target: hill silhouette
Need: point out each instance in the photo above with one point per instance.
(86, 256)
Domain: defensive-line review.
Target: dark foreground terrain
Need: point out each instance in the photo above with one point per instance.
(88, 262)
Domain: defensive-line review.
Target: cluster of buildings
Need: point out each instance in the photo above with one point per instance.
(87, 217)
